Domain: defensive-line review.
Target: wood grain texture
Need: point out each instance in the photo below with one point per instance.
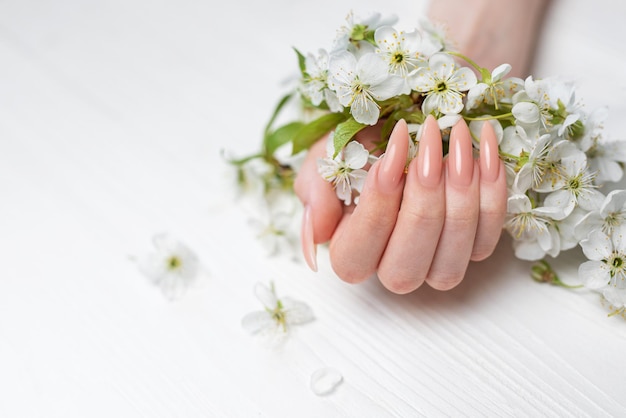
(113, 116)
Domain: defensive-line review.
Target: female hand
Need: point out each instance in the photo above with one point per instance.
(422, 226)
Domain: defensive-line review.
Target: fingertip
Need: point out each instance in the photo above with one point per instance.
(489, 154)
(393, 162)
(307, 236)
(460, 162)
(430, 154)
(325, 209)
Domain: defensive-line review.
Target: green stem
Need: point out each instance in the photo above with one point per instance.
(244, 160)
(470, 61)
(490, 117)
(543, 272)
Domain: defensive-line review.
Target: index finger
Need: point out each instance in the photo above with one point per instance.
(360, 242)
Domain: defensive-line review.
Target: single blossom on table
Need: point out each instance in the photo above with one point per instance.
(171, 265)
(278, 315)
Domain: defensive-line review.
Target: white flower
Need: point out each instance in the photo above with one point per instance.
(534, 157)
(401, 50)
(278, 315)
(606, 157)
(443, 83)
(607, 259)
(272, 224)
(610, 215)
(172, 265)
(351, 36)
(575, 186)
(616, 297)
(360, 84)
(593, 128)
(495, 90)
(532, 228)
(345, 171)
(315, 86)
(434, 35)
(547, 103)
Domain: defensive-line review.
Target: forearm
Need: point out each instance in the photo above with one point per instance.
(492, 32)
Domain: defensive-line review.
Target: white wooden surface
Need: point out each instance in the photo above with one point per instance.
(112, 118)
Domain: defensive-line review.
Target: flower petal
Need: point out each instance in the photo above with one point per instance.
(265, 295)
(297, 312)
(392, 86)
(594, 274)
(355, 155)
(597, 246)
(372, 69)
(257, 321)
(500, 71)
(526, 112)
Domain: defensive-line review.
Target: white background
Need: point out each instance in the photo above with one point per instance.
(113, 116)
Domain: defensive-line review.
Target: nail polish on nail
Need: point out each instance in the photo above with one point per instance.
(460, 156)
(309, 249)
(430, 154)
(489, 158)
(394, 160)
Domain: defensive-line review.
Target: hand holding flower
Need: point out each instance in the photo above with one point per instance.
(422, 226)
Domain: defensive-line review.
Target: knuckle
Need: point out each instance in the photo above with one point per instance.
(375, 218)
(492, 212)
(462, 217)
(422, 213)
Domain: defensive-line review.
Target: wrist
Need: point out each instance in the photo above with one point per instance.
(492, 32)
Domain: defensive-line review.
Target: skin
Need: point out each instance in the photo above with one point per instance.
(427, 224)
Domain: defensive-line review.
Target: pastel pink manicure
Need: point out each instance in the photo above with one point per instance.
(309, 249)
(430, 154)
(394, 160)
(460, 155)
(489, 157)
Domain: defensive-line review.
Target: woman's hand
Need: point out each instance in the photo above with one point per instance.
(425, 225)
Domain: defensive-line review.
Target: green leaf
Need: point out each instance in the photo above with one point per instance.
(314, 130)
(345, 132)
(281, 136)
(301, 61)
(283, 101)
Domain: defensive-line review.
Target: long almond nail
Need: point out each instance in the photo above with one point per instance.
(430, 154)
(460, 158)
(489, 158)
(394, 160)
(309, 249)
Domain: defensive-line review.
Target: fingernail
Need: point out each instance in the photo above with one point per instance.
(394, 160)
(309, 249)
(489, 158)
(430, 154)
(460, 158)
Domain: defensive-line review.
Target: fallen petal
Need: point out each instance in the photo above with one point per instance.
(324, 381)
